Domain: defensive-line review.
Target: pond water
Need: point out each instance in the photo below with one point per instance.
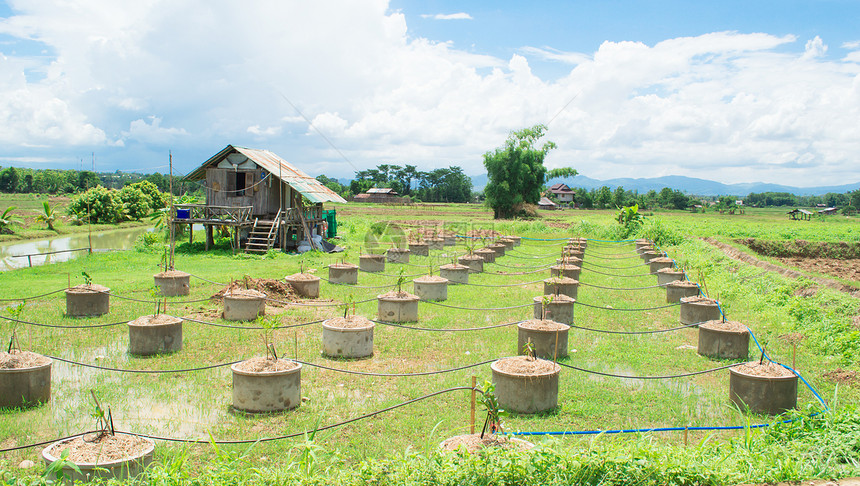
(12, 253)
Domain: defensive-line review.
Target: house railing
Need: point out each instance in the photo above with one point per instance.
(311, 213)
(203, 213)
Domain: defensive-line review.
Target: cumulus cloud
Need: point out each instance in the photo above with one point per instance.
(453, 16)
(765, 106)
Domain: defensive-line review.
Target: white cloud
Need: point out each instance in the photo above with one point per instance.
(851, 45)
(454, 16)
(762, 105)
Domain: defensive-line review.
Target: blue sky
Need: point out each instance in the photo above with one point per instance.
(731, 91)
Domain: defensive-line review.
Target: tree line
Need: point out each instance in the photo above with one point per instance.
(51, 181)
(448, 184)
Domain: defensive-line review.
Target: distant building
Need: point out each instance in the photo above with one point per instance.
(545, 203)
(562, 192)
(384, 195)
(827, 211)
(800, 214)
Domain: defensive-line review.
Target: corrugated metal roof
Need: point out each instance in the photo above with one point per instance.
(381, 190)
(278, 168)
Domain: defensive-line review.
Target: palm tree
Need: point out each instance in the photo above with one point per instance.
(48, 217)
(6, 219)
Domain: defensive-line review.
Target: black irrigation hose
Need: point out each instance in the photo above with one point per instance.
(153, 302)
(326, 304)
(627, 253)
(534, 255)
(300, 434)
(514, 255)
(461, 329)
(589, 254)
(614, 275)
(603, 331)
(142, 372)
(87, 326)
(504, 285)
(355, 286)
(586, 284)
(37, 444)
(397, 276)
(477, 308)
(659, 377)
(516, 273)
(207, 280)
(229, 326)
(545, 265)
(587, 263)
(628, 310)
(34, 297)
(395, 375)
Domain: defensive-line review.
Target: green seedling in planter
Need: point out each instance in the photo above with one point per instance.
(545, 301)
(159, 305)
(490, 402)
(55, 470)
(104, 421)
(430, 265)
(87, 279)
(529, 349)
(15, 312)
(401, 279)
(269, 324)
(350, 302)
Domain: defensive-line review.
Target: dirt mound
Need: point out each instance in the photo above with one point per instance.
(277, 290)
(840, 250)
(842, 376)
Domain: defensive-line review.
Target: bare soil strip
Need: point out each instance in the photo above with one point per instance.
(736, 254)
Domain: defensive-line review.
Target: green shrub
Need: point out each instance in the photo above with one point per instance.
(157, 199)
(98, 205)
(137, 204)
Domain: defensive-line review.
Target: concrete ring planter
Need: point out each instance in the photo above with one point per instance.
(173, 282)
(126, 468)
(397, 307)
(699, 309)
(568, 271)
(266, 391)
(455, 273)
(419, 249)
(578, 254)
(647, 256)
(431, 287)
(343, 273)
(548, 337)
(509, 244)
(559, 310)
(488, 255)
(516, 239)
(498, 249)
(350, 337)
(679, 289)
(569, 260)
(449, 240)
(474, 262)
(305, 285)
(26, 387)
(371, 263)
(657, 264)
(472, 443)
(87, 300)
(565, 286)
(436, 243)
(726, 340)
(665, 276)
(154, 334)
(531, 387)
(244, 305)
(397, 255)
(764, 393)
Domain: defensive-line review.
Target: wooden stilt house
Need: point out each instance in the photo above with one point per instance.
(264, 201)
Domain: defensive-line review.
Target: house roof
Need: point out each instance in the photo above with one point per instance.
(382, 190)
(799, 211)
(278, 168)
(561, 188)
(545, 202)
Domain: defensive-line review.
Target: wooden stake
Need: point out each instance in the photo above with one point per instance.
(472, 420)
(794, 355)
(686, 430)
(172, 215)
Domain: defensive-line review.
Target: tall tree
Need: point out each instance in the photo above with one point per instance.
(516, 172)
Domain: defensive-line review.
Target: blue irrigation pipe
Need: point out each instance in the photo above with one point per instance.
(650, 429)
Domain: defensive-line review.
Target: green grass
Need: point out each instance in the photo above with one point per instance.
(384, 449)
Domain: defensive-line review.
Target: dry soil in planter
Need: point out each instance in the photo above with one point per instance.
(724, 339)
(765, 388)
(474, 262)
(397, 255)
(486, 254)
(524, 385)
(25, 379)
(679, 289)
(118, 456)
(305, 284)
(173, 282)
(659, 263)
(548, 337)
(349, 337)
(371, 263)
(565, 286)
(419, 249)
(244, 304)
(262, 385)
(568, 270)
(455, 273)
(87, 300)
(559, 310)
(665, 276)
(154, 334)
(473, 443)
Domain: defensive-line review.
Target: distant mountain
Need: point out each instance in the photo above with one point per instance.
(689, 185)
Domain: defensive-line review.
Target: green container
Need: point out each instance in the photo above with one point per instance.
(331, 218)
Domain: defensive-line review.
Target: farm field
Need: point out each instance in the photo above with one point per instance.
(466, 329)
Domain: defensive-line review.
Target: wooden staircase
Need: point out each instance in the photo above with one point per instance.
(263, 234)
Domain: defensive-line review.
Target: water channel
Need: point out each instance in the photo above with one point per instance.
(13, 253)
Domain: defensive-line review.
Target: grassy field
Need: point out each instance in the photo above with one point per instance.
(384, 449)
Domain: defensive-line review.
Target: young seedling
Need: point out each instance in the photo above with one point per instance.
(269, 324)
(104, 421)
(401, 279)
(545, 301)
(350, 302)
(430, 265)
(529, 349)
(16, 312)
(488, 399)
(87, 279)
